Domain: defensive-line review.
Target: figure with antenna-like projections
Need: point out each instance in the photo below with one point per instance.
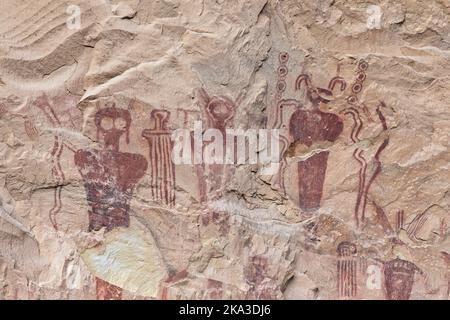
(109, 177)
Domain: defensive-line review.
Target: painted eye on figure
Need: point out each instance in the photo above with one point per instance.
(120, 123)
(106, 123)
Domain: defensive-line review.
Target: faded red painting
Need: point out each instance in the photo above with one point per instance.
(347, 270)
(220, 112)
(162, 169)
(109, 177)
(256, 276)
(107, 291)
(399, 279)
(360, 114)
(310, 126)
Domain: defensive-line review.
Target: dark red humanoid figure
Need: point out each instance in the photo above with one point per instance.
(109, 177)
(308, 126)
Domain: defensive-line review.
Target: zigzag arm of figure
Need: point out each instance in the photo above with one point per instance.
(381, 116)
(71, 139)
(240, 98)
(278, 179)
(203, 97)
(279, 116)
(383, 219)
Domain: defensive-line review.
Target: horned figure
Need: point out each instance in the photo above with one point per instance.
(399, 279)
(109, 177)
(346, 270)
(311, 125)
(161, 165)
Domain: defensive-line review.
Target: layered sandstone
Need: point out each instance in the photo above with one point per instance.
(92, 206)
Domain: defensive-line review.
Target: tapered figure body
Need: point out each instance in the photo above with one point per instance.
(399, 279)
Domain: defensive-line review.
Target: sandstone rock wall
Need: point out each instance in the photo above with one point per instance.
(92, 206)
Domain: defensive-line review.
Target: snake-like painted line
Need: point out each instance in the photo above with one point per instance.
(58, 147)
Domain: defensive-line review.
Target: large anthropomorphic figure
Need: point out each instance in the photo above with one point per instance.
(109, 177)
(310, 129)
(308, 126)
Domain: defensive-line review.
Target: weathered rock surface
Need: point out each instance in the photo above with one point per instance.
(91, 205)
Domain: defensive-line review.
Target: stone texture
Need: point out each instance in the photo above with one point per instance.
(358, 208)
